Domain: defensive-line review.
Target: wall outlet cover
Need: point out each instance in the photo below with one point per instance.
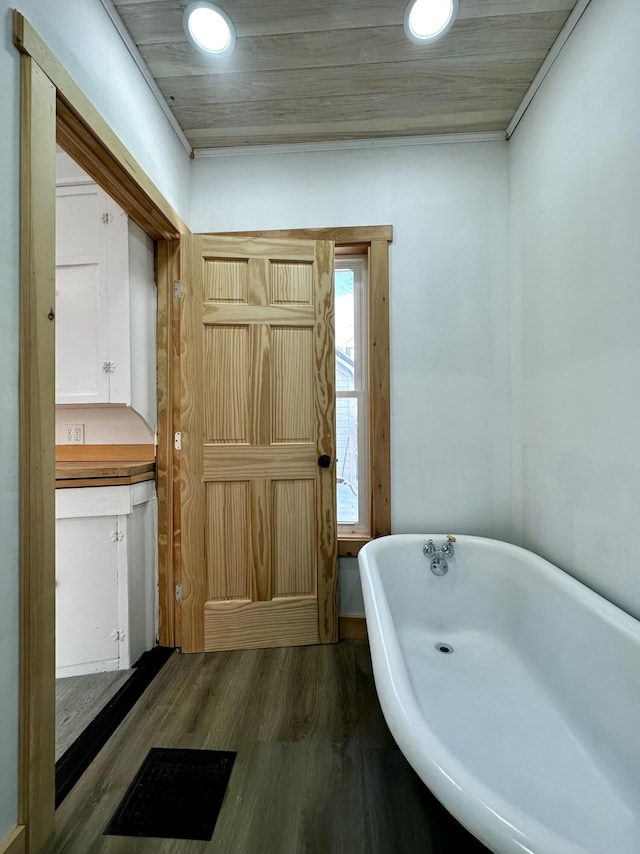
(74, 434)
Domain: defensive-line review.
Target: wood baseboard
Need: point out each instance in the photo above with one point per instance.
(16, 842)
(353, 628)
(349, 547)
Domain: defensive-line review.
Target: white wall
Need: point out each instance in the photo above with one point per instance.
(85, 41)
(575, 221)
(449, 306)
(105, 425)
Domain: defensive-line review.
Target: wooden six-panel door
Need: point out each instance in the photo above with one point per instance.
(259, 539)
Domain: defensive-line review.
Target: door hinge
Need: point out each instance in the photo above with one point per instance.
(177, 441)
(109, 367)
(178, 592)
(177, 289)
(107, 218)
(116, 536)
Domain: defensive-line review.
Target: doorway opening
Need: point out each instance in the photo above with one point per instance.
(53, 109)
(105, 434)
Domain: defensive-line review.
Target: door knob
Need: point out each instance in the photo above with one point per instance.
(324, 461)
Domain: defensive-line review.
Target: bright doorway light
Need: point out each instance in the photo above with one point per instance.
(209, 28)
(428, 20)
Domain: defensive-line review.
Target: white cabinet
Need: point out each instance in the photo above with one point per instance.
(105, 299)
(142, 304)
(92, 297)
(105, 577)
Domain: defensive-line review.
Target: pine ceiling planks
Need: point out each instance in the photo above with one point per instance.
(344, 69)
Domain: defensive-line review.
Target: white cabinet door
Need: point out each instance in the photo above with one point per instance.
(92, 297)
(106, 577)
(142, 574)
(87, 628)
(82, 343)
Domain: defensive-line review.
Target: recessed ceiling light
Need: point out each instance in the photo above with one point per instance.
(209, 28)
(428, 20)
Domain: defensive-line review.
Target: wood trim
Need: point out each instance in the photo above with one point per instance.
(66, 469)
(176, 472)
(52, 107)
(37, 464)
(351, 249)
(379, 388)
(353, 628)
(74, 136)
(325, 405)
(123, 480)
(192, 490)
(351, 547)
(167, 265)
(87, 137)
(105, 453)
(16, 842)
(349, 234)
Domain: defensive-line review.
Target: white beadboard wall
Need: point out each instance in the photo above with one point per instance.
(84, 39)
(449, 307)
(575, 220)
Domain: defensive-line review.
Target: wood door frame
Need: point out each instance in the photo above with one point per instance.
(54, 109)
(373, 241)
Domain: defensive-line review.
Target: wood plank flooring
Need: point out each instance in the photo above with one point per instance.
(317, 771)
(78, 701)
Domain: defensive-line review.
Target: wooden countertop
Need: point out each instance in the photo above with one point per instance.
(75, 473)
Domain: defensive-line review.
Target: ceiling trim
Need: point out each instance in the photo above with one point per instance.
(358, 144)
(131, 46)
(554, 52)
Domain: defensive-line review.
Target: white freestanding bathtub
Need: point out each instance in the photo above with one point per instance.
(529, 731)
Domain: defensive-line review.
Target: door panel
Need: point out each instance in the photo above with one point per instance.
(292, 385)
(227, 355)
(293, 537)
(227, 540)
(258, 409)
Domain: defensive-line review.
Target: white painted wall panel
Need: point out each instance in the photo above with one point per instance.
(575, 220)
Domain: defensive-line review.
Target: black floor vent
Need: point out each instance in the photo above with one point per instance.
(176, 794)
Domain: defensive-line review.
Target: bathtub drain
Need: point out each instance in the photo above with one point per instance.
(444, 647)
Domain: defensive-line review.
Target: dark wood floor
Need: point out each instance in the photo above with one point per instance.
(317, 771)
(78, 701)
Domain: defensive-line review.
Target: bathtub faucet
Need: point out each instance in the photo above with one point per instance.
(447, 548)
(439, 564)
